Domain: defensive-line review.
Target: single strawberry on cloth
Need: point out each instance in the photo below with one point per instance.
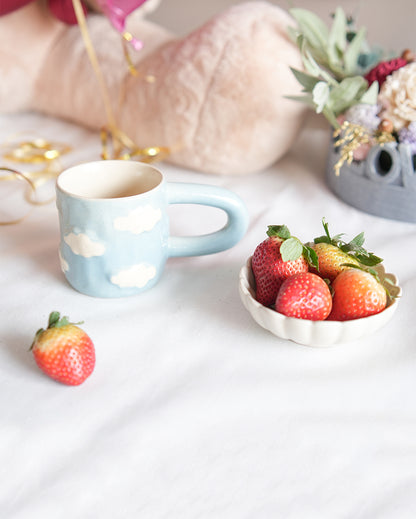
(63, 351)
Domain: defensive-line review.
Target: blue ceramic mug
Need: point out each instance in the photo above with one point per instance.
(115, 228)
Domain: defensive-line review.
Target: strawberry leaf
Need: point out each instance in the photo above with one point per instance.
(321, 239)
(53, 319)
(291, 249)
(56, 321)
(278, 230)
(311, 257)
(354, 248)
(369, 259)
(358, 241)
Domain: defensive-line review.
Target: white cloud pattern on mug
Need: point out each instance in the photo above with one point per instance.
(139, 220)
(64, 263)
(136, 276)
(82, 245)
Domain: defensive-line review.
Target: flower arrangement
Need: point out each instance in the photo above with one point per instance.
(368, 98)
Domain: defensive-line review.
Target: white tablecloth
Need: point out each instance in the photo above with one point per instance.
(193, 410)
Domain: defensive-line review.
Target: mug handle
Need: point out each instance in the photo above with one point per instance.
(225, 238)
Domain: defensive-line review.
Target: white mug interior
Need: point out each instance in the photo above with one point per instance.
(109, 179)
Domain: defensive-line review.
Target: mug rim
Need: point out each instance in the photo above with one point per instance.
(107, 164)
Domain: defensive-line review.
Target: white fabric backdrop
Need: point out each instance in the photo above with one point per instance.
(193, 411)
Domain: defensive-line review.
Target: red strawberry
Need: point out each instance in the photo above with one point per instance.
(305, 296)
(274, 260)
(63, 351)
(357, 293)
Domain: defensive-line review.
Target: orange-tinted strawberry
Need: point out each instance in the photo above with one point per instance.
(332, 260)
(274, 260)
(63, 351)
(305, 296)
(356, 293)
(335, 255)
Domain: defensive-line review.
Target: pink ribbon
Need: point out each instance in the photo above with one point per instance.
(117, 11)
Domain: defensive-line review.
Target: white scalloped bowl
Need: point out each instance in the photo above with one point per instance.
(314, 333)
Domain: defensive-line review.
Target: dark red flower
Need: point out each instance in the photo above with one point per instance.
(381, 71)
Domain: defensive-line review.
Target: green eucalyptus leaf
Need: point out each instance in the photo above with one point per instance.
(312, 66)
(337, 43)
(306, 80)
(312, 27)
(370, 58)
(370, 96)
(307, 99)
(346, 94)
(291, 249)
(338, 33)
(353, 52)
(293, 34)
(331, 117)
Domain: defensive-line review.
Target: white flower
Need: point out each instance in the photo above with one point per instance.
(398, 96)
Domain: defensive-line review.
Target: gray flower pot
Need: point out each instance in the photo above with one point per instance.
(383, 185)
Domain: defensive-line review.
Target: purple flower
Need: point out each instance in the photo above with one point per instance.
(365, 115)
(407, 135)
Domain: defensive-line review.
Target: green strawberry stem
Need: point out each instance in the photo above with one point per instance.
(55, 320)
